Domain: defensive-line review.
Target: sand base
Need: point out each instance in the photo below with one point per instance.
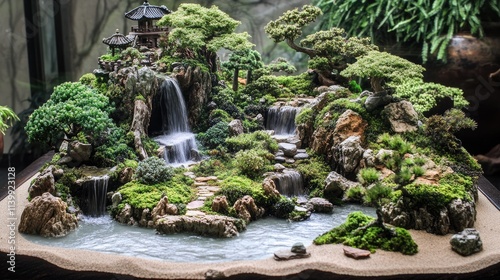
(435, 255)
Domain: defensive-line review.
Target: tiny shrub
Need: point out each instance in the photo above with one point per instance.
(368, 176)
(305, 115)
(153, 170)
(215, 136)
(283, 208)
(250, 163)
(255, 140)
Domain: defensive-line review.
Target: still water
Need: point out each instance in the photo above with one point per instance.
(260, 240)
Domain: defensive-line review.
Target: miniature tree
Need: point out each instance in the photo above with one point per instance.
(199, 32)
(280, 64)
(441, 128)
(246, 59)
(329, 50)
(384, 70)
(72, 108)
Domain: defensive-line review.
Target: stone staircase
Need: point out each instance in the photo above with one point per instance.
(205, 188)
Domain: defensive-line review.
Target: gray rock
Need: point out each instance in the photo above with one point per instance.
(280, 153)
(279, 167)
(280, 159)
(79, 152)
(462, 214)
(374, 101)
(356, 253)
(290, 161)
(195, 155)
(466, 242)
(299, 248)
(44, 182)
(209, 225)
(348, 154)
(402, 116)
(301, 156)
(116, 199)
(235, 127)
(290, 150)
(320, 205)
(336, 185)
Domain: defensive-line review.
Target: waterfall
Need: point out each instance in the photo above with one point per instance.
(177, 138)
(289, 183)
(282, 119)
(94, 195)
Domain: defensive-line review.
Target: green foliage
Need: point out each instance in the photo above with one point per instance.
(150, 145)
(305, 115)
(7, 118)
(236, 187)
(280, 64)
(110, 58)
(429, 23)
(355, 87)
(62, 191)
(142, 196)
(356, 193)
(264, 85)
(378, 194)
(88, 79)
(314, 171)
(131, 53)
(251, 162)
(297, 85)
(425, 96)
(383, 67)
(396, 143)
(368, 176)
(215, 136)
(283, 208)
(441, 128)
(258, 140)
(113, 147)
(72, 107)
(202, 30)
(355, 232)
(153, 170)
(219, 115)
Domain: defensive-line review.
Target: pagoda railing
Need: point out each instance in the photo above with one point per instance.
(136, 29)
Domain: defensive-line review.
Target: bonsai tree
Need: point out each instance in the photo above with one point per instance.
(199, 32)
(280, 64)
(246, 59)
(441, 129)
(71, 109)
(384, 70)
(7, 118)
(329, 51)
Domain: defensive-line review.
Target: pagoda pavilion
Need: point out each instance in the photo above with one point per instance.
(117, 41)
(146, 33)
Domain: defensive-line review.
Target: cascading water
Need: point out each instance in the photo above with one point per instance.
(282, 119)
(94, 195)
(289, 183)
(177, 138)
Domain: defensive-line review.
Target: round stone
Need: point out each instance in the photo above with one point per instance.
(299, 248)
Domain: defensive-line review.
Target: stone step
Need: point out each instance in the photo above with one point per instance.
(205, 179)
(197, 204)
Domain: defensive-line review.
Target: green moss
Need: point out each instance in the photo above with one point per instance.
(62, 191)
(253, 163)
(306, 115)
(297, 85)
(255, 140)
(236, 187)
(368, 176)
(150, 146)
(141, 196)
(353, 234)
(283, 208)
(314, 172)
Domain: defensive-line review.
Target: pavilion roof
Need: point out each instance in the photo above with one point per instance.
(117, 40)
(147, 11)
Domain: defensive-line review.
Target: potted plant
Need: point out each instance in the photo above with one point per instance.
(430, 24)
(7, 118)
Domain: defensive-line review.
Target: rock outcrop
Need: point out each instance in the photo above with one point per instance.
(74, 153)
(337, 185)
(209, 225)
(163, 208)
(46, 215)
(319, 205)
(402, 116)
(247, 210)
(235, 127)
(196, 85)
(347, 156)
(220, 204)
(44, 182)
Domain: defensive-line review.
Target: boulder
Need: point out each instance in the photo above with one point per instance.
(79, 152)
(402, 116)
(209, 225)
(379, 99)
(298, 248)
(301, 156)
(116, 199)
(348, 154)
(125, 216)
(319, 205)
(163, 208)
(247, 210)
(356, 253)
(290, 150)
(220, 204)
(126, 175)
(46, 215)
(466, 242)
(336, 185)
(349, 124)
(269, 187)
(235, 127)
(44, 182)
(462, 214)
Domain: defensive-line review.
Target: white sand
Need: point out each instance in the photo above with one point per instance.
(435, 255)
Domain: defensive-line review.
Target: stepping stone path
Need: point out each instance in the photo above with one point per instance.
(205, 188)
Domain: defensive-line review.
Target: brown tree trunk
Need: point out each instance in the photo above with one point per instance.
(235, 79)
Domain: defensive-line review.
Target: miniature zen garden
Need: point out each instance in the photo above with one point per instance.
(246, 157)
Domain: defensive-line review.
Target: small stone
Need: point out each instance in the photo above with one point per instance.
(466, 242)
(301, 156)
(290, 150)
(214, 274)
(279, 167)
(206, 179)
(320, 205)
(280, 159)
(290, 161)
(356, 253)
(280, 154)
(284, 255)
(197, 204)
(299, 248)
